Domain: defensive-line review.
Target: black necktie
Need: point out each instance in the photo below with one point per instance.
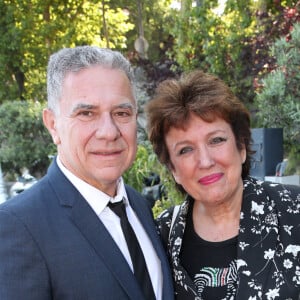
(136, 253)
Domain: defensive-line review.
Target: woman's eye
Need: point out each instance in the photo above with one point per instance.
(218, 140)
(184, 150)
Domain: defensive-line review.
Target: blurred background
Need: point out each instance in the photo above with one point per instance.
(253, 45)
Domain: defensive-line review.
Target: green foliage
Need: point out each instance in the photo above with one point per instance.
(293, 166)
(278, 101)
(173, 195)
(31, 30)
(216, 41)
(145, 163)
(231, 43)
(23, 138)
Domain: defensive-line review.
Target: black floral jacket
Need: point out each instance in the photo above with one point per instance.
(268, 261)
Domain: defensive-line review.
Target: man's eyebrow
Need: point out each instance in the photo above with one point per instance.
(84, 106)
(80, 106)
(125, 105)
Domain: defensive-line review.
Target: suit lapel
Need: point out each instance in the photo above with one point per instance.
(94, 231)
(100, 239)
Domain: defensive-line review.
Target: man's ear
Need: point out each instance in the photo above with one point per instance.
(49, 120)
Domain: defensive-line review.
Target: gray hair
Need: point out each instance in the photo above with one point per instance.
(75, 59)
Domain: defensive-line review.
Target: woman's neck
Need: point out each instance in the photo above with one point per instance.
(217, 222)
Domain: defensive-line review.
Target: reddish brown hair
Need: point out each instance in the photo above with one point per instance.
(206, 96)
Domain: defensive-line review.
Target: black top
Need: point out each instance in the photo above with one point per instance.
(211, 265)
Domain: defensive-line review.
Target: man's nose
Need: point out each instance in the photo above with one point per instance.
(107, 127)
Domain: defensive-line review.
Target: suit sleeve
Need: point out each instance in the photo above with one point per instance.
(23, 272)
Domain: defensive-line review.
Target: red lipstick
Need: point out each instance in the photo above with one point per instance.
(206, 180)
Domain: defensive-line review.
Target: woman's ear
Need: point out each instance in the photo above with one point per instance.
(243, 154)
(175, 175)
(173, 172)
(49, 120)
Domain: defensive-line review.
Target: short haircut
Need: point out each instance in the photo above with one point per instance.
(75, 59)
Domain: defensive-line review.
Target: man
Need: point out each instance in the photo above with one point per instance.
(60, 239)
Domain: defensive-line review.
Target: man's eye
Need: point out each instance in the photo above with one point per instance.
(85, 113)
(122, 114)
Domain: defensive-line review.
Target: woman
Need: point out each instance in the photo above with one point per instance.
(234, 237)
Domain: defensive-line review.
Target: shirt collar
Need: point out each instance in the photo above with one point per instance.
(97, 199)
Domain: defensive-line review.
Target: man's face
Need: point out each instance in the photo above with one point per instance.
(95, 128)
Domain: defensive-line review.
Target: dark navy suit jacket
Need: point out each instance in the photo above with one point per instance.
(53, 246)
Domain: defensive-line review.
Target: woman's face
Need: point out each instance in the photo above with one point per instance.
(206, 160)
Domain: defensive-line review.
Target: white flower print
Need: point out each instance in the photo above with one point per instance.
(272, 293)
(253, 285)
(243, 245)
(287, 263)
(177, 241)
(242, 215)
(247, 273)
(288, 228)
(269, 254)
(296, 278)
(179, 275)
(240, 263)
(271, 219)
(259, 294)
(294, 249)
(258, 188)
(268, 244)
(258, 209)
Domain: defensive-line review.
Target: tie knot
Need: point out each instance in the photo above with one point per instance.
(118, 208)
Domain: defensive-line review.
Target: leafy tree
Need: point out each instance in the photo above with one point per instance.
(274, 21)
(206, 37)
(278, 100)
(31, 30)
(25, 142)
(149, 18)
(232, 44)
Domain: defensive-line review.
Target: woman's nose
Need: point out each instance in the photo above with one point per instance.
(204, 157)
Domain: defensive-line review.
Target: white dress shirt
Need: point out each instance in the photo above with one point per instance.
(98, 202)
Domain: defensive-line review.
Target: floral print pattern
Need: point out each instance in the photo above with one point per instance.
(268, 262)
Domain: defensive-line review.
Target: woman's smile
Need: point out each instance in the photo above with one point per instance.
(206, 180)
